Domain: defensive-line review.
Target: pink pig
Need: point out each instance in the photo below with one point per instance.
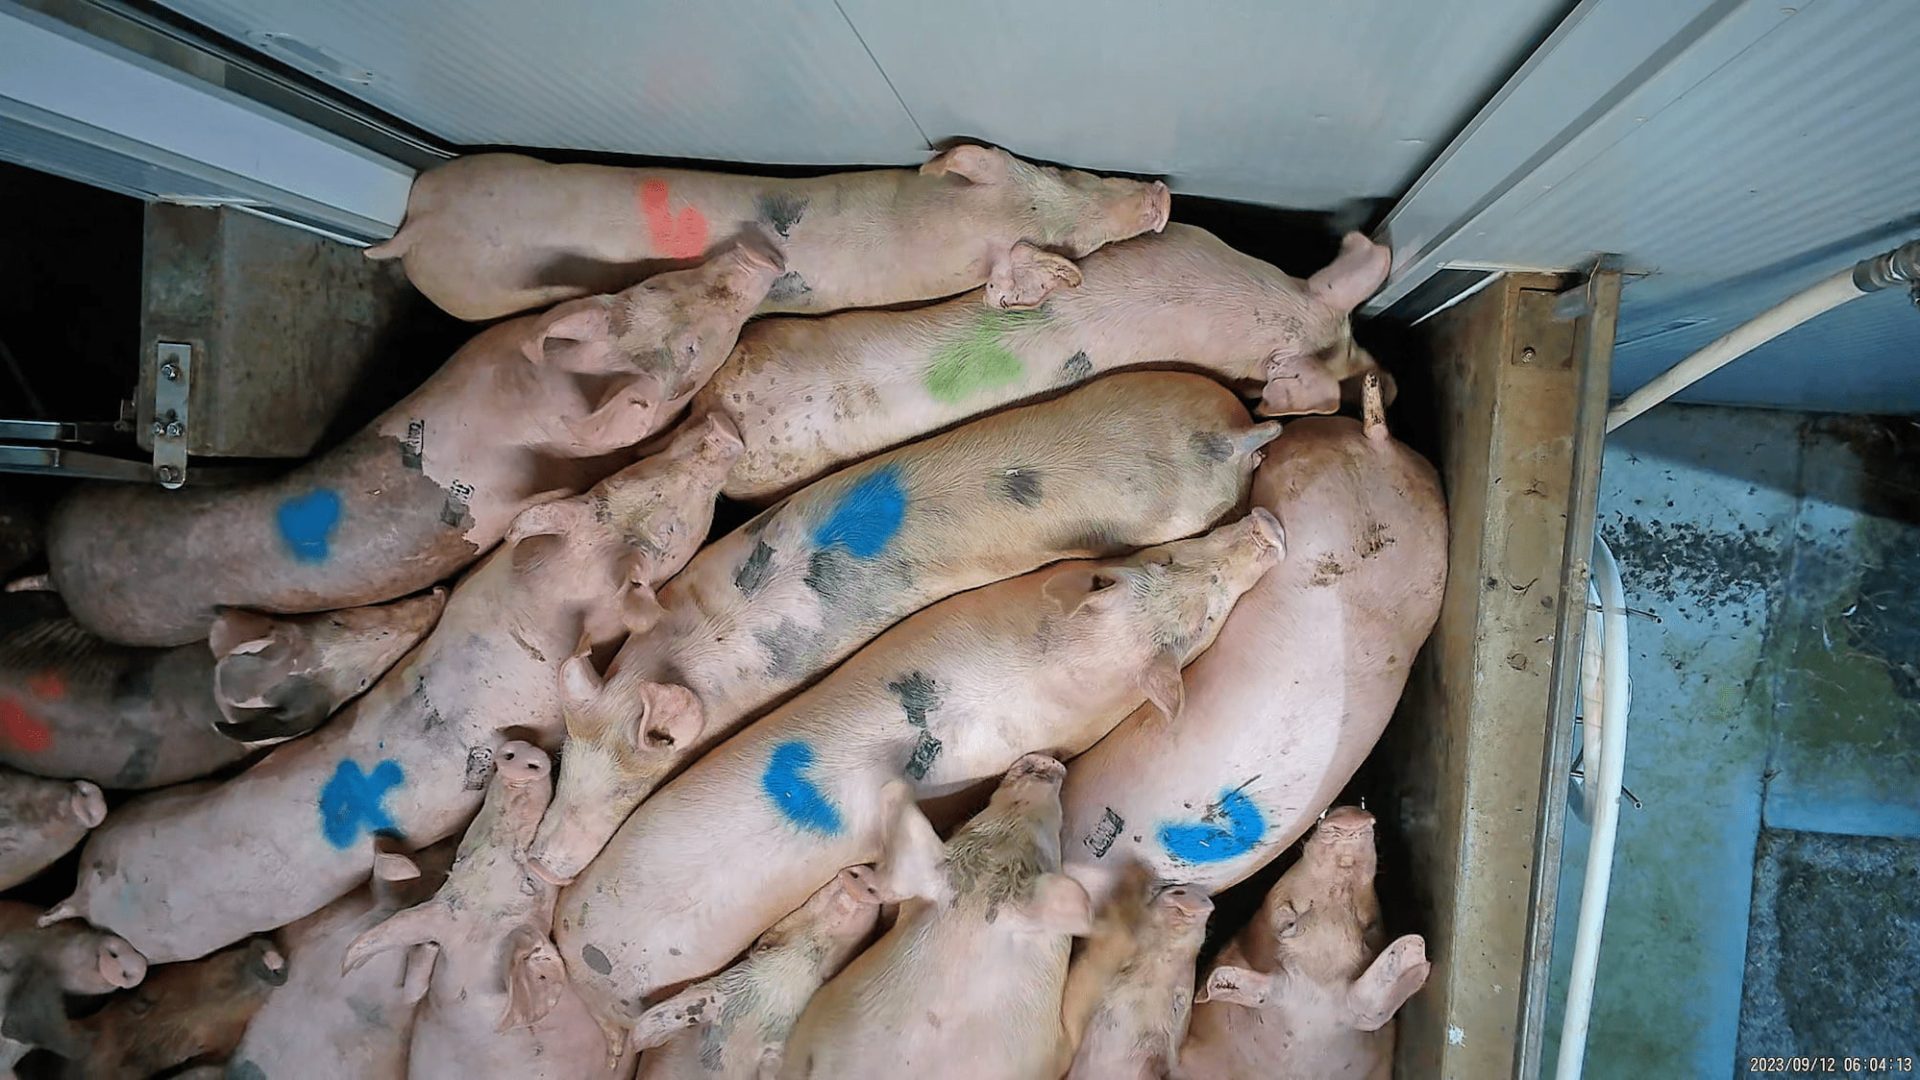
(409, 758)
(811, 394)
(1306, 672)
(1130, 990)
(39, 965)
(41, 820)
(181, 1013)
(1306, 991)
(528, 411)
(492, 234)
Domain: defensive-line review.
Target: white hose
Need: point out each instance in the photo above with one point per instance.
(1605, 772)
(1745, 338)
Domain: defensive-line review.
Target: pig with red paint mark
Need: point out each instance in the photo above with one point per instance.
(734, 1025)
(1306, 990)
(1305, 675)
(41, 820)
(181, 1013)
(530, 410)
(408, 760)
(323, 1023)
(951, 696)
(40, 965)
(497, 1000)
(811, 394)
(125, 717)
(492, 234)
(969, 981)
(1129, 991)
(766, 610)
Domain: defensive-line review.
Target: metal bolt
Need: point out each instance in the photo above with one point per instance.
(159, 429)
(168, 474)
(170, 371)
(175, 429)
(1527, 354)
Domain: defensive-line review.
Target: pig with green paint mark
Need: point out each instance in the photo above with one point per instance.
(492, 234)
(408, 760)
(529, 411)
(1124, 462)
(811, 394)
(1306, 674)
(951, 696)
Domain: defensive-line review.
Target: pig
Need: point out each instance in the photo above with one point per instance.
(182, 1013)
(734, 1025)
(274, 679)
(809, 395)
(1130, 991)
(40, 964)
(951, 696)
(492, 234)
(323, 1024)
(407, 759)
(1306, 991)
(1306, 673)
(41, 820)
(770, 607)
(522, 414)
(497, 1000)
(969, 980)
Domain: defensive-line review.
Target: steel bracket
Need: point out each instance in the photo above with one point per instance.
(172, 379)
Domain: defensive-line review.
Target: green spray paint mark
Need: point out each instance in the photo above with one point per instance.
(979, 359)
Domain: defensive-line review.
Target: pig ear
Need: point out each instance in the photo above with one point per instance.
(416, 925)
(671, 719)
(1295, 389)
(233, 628)
(1394, 976)
(417, 975)
(1164, 688)
(1373, 408)
(89, 806)
(640, 608)
(625, 415)
(576, 336)
(1353, 275)
(1025, 276)
(913, 860)
(539, 532)
(35, 1013)
(535, 978)
(580, 681)
(1236, 985)
(980, 164)
(696, 1006)
(1079, 587)
(1058, 906)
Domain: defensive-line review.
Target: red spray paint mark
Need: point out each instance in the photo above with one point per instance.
(20, 730)
(681, 236)
(48, 686)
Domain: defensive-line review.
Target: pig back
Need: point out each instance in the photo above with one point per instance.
(1299, 684)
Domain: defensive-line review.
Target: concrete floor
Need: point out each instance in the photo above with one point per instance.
(1765, 898)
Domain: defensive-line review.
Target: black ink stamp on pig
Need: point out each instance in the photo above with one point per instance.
(788, 286)
(1077, 367)
(454, 513)
(1021, 483)
(479, 767)
(1212, 445)
(919, 695)
(782, 212)
(753, 572)
(1101, 839)
(415, 446)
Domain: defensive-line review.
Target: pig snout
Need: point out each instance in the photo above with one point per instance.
(1345, 823)
(1036, 768)
(1344, 839)
(521, 762)
(121, 965)
(88, 804)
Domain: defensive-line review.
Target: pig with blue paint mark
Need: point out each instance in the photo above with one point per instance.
(529, 411)
(809, 395)
(969, 981)
(1124, 462)
(497, 1000)
(1307, 671)
(1307, 989)
(408, 760)
(951, 696)
(491, 234)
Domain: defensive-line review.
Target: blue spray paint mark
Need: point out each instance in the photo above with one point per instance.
(306, 521)
(868, 515)
(1229, 831)
(351, 801)
(799, 799)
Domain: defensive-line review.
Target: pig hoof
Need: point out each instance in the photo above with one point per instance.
(89, 806)
(120, 963)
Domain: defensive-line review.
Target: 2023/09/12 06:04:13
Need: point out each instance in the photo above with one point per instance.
(1851, 1064)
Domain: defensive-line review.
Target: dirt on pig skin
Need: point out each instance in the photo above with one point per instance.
(969, 980)
(41, 820)
(950, 696)
(408, 760)
(492, 234)
(181, 1013)
(40, 966)
(1307, 990)
(529, 411)
(811, 394)
(1303, 679)
(1131, 460)
(734, 1025)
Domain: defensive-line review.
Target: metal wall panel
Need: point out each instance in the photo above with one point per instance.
(1295, 103)
(723, 80)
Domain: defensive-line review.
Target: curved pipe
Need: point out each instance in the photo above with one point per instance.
(1605, 770)
(1901, 266)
